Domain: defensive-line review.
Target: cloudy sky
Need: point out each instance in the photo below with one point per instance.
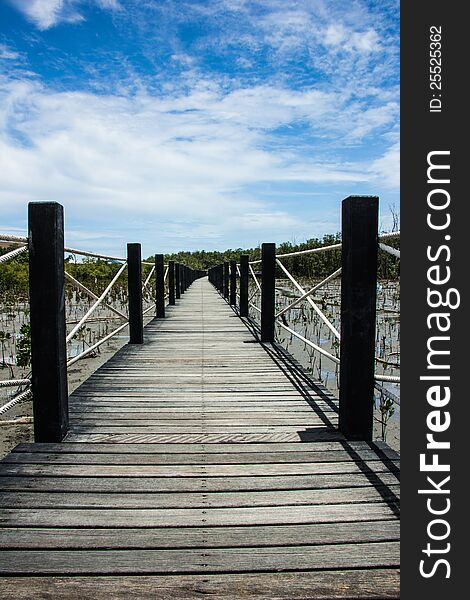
(189, 124)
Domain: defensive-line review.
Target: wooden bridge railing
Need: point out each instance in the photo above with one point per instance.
(49, 338)
(359, 249)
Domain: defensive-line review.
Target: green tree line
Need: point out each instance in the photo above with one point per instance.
(96, 273)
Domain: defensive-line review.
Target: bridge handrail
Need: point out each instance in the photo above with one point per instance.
(356, 212)
(171, 280)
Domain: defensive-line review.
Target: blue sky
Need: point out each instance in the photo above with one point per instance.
(197, 124)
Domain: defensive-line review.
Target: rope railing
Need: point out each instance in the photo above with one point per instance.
(358, 273)
(14, 382)
(14, 239)
(96, 304)
(393, 251)
(319, 312)
(16, 400)
(147, 291)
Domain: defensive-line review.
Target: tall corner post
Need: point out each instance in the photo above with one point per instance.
(160, 286)
(171, 282)
(47, 319)
(358, 312)
(233, 282)
(268, 291)
(244, 285)
(134, 284)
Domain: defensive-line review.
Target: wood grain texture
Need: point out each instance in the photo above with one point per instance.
(200, 462)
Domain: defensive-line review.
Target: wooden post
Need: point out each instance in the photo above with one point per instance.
(47, 318)
(268, 298)
(134, 284)
(244, 285)
(182, 279)
(221, 279)
(226, 278)
(233, 282)
(160, 286)
(171, 282)
(178, 280)
(358, 308)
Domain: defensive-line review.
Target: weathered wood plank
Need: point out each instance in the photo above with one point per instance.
(192, 484)
(368, 584)
(146, 517)
(226, 560)
(220, 470)
(202, 537)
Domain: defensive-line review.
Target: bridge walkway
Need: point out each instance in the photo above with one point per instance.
(201, 462)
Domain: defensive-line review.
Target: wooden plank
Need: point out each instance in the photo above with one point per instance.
(307, 447)
(186, 458)
(192, 484)
(199, 500)
(367, 584)
(225, 560)
(202, 537)
(145, 517)
(222, 470)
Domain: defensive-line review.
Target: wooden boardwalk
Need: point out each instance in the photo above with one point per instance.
(201, 463)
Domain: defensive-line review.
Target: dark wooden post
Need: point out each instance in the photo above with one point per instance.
(171, 282)
(233, 282)
(178, 280)
(226, 278)
(358, 307)
(243, 285)
(182, 279)
(268, 297)
(160, 285)
(47, 318)
(134, 284)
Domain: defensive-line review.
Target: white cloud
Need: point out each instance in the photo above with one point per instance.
(181, 156)
(7, 53)
(386, 169)
(49, 13)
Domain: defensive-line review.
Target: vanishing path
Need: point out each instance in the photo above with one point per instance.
(200, 463)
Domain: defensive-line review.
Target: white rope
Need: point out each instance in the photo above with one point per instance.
(166, 273)
(9, 255)
(387, 236)
(299, 252)
(92, 294)
(16, 239)
(255, 307)
(390, 250)
(91, 348)
(330, 325)
(16, 400)
(148, 278)
(314, 289)
(255, 278)
(94, 255)
(335, 359)
(96, 304)
(390, 378)
(384, 236)
(148, 309)
(14, 382)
